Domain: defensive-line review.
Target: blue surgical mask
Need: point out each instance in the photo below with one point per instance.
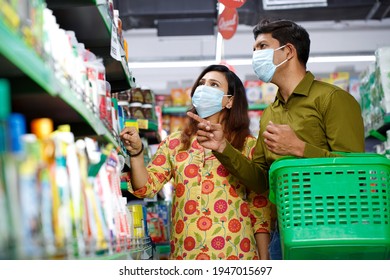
(207, 100)
(263, 63)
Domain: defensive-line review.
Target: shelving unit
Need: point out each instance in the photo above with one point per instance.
(377, 136)
(183, 109)
(33, 83)
(92, 24)
(36, 91)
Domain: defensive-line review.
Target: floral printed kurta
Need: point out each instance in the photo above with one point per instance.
(213, 215)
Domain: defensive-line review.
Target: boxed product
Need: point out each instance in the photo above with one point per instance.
(253, 91)
(269, 92)
(176, 123)
(254, 122)
(178, 96)
(340, 79)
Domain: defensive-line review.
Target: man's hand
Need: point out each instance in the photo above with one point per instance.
(131, 139)
(282, 140)
(209, 135)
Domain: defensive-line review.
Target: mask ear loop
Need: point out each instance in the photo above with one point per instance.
(284, 61)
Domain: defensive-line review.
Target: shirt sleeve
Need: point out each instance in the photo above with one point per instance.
(159, 173)
(252, 173)
(344, 126)
(259, 204)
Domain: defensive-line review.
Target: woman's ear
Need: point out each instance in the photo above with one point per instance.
(229, 104)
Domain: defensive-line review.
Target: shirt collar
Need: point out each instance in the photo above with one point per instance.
(302, 88)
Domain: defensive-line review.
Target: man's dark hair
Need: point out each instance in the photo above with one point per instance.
(286, 31)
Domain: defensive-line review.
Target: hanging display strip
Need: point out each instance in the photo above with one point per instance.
(292, 4)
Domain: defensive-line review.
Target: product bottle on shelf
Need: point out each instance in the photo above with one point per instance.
(32, 235)
(62, 138)
(10, 162)
(43, 128)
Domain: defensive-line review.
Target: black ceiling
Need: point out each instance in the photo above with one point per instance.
(185, 15)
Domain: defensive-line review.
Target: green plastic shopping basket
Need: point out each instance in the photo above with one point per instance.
(333, 208)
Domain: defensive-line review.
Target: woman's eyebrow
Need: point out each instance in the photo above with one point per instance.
(216, 81)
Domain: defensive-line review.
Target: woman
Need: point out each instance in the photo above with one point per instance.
(214, 216)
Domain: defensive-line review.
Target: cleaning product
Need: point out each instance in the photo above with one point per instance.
(29, 193)
(62, 137)
(42, 128)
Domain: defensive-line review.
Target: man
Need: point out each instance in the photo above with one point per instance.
(308, 118)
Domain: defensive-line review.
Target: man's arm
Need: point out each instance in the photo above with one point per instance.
(251, 173)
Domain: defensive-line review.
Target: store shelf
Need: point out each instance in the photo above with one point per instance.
(174, 110)
(253, 107)
(19, 62)
(143, 252)
(92, 24)
(117, 256)
(380, 132)
(74, 3)
(69, 97)
(183, 109)
(377, 136)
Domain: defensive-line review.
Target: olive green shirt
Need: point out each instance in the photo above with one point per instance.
(324, 116)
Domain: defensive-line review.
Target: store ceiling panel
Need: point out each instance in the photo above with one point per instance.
(137, 14)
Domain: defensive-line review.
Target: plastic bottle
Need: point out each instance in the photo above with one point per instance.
(108, 106)
(32, 242)
(43, 128)
(101, 89)
(62, 137)
(16, 128)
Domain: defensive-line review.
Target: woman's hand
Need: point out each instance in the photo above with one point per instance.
(131, 139)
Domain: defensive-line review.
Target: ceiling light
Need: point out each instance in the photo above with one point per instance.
(243, 62)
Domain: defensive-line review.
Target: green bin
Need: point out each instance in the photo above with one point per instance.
(333, 208)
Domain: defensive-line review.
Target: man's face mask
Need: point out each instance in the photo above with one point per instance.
(263, 63)
(207, 100)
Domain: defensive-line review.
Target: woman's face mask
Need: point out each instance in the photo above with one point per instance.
(207, 100)
(263, 63)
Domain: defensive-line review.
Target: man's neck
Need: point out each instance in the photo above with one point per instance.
(290, 81)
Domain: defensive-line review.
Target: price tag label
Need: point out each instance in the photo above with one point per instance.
(132, 123)
(115, 46)
(143, 124)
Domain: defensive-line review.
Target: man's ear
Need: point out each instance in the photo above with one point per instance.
(292, 52)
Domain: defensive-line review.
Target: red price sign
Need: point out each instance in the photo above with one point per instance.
(227, 23)
(232, 3)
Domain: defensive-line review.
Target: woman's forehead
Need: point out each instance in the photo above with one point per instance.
(215, 75)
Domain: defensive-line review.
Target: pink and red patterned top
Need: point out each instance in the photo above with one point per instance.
(213, 215)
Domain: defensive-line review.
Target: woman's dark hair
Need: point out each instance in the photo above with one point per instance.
(235, 120)
(286, 31)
